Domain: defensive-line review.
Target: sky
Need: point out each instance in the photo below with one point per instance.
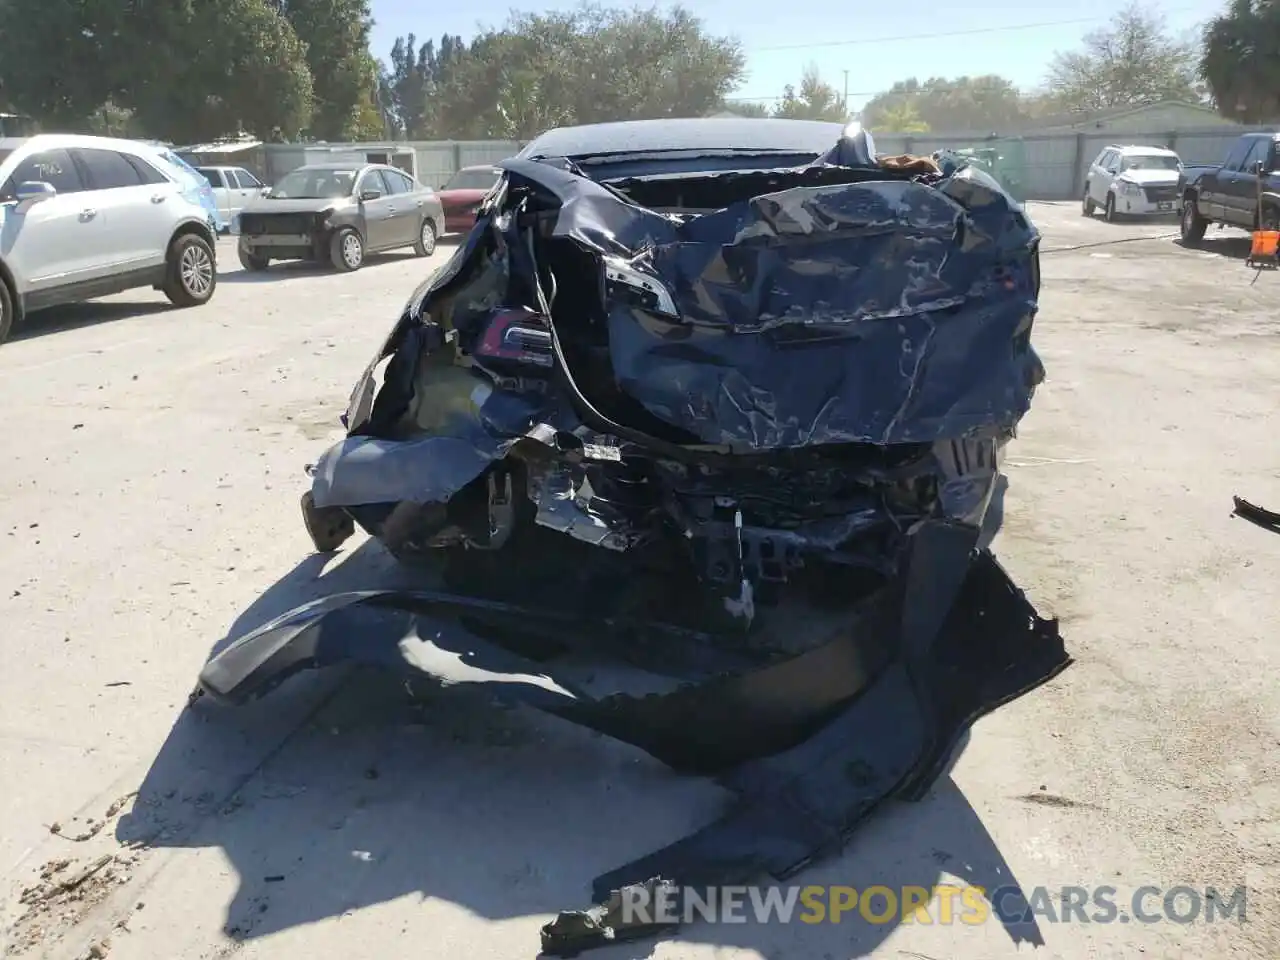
(877, 45)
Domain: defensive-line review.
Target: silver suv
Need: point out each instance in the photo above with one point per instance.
(84, 217)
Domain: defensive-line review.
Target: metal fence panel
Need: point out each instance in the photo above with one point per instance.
(488, 151)
(440, 160)
(436, 162)
(1032, 167)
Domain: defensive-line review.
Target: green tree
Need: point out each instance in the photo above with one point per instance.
(183, 69)
(55, 59)
(343, 72)
(402, 88)
(1132, 62)
(746, 108)
(1241, 61)
(963, 105)
(423, 90)
(536, 71)
(816, 100)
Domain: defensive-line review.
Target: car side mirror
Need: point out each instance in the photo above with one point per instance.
(1258, 168)
(366, 195)
(35, 191)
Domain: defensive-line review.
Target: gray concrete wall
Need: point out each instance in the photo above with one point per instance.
(1053, 165)
(435, 161)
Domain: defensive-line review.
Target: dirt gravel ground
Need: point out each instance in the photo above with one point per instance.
(149, 509)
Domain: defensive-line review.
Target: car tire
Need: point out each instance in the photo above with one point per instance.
(425, 245)
(250, 261)
(1191, 226)
(1087, 206)
(346, 249)
(8, 311)
(191, 273)
(1109, 209)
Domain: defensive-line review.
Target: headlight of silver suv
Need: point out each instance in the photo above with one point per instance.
(1127, 188)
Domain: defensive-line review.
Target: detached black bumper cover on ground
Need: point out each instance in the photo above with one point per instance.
(811, 745)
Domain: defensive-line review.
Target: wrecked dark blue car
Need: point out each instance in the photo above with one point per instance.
(726, 401)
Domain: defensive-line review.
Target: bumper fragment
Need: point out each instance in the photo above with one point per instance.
(891, 743)
(810, 744)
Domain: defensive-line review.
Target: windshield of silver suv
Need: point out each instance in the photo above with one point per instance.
(1151, 161)
(315, 184)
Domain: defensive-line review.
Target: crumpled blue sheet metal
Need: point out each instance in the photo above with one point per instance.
(432, 466)
(885, 311)
(880, 311)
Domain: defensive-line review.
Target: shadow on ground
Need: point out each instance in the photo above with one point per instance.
(340, 791)
(288, 269)
(1233, 246)
(73, 316)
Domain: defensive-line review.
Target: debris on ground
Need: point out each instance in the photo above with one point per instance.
(65, 891)
(95, 826)
(63, 895)
(1267, 519)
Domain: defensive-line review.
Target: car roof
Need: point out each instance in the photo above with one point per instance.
(56, 141)
(331, 165)
(687, 134)
(1138, 148)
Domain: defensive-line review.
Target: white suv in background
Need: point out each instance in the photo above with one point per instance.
(84, 217)
(233, 189)
(1132, 181)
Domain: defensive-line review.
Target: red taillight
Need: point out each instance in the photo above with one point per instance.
(518, 335)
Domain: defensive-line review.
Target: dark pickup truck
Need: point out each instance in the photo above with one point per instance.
(1242, 192)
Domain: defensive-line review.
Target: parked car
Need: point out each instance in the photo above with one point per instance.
(84, 217)
(233, 188)
(197, 187)
(1243, 191)
(1132, 181)
(339, 213)
(461, 196)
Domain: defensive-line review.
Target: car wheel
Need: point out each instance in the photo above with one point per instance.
(1191, 226)
(425, 245)
(1087, 206)
(250, 261)
(191, 275)
(346, 250)
(8, 312)
(1109, 209)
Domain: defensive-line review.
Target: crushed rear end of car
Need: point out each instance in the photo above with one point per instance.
(739, 430)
